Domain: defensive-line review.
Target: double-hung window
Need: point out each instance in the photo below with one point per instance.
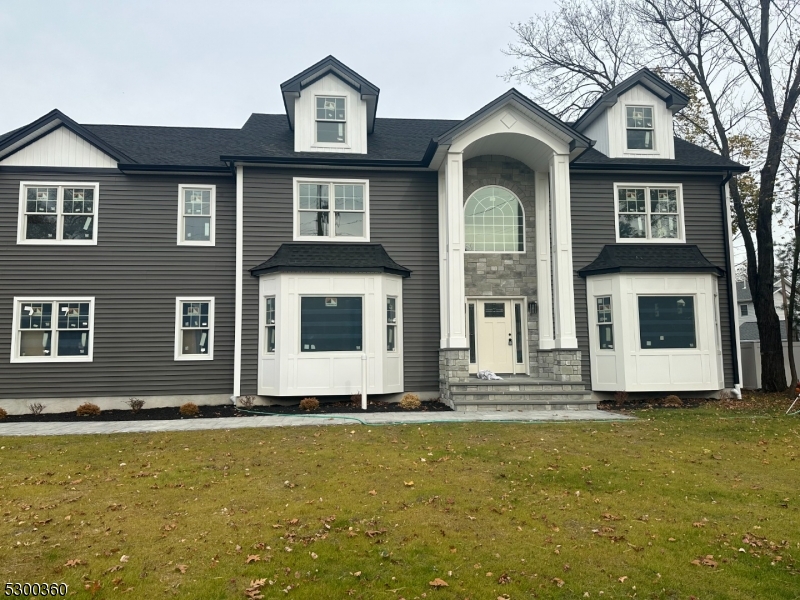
(196, 214)
(58, 213)
(605, 324)
(651, 212)
(639, 127)
(53, 329)
(391, 324)
(331, 120)
(194, 329)
(331, 210)
(269, 331)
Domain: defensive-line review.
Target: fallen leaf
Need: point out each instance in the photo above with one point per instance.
(706, 561)
(408, 483)
(181, 568)
(504, 579)
(698, 524)
(437, 583)
(252, 558)
(622, 579)
(254, 591)
(124, 558)
(357, 574)
(373, 493)
(314, 555)
(73, 562)
(558, 582)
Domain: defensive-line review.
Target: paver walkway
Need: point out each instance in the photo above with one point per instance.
(17, 429)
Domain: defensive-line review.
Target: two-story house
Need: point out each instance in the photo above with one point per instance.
(283, 258)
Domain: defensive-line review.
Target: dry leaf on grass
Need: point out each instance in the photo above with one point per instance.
(252, 558)
(254, 591)
(73, 562)
(622, 579)
(408, 483)
(124, 558)
(181, 568)
(437, 583)
(706, 561)
(373, 493)
(558, 582)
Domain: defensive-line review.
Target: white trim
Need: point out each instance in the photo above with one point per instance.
(650, 240)
(736, 333)
(58, 241)
(544, 291)
(181, 216)
(563, 274)
(16, 358)
(296, 181)
(654, 149)
(178, 313)
(524, 223)
(237, 310)
(476, 301)
(455, 333)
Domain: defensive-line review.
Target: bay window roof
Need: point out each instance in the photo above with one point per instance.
(650, 258)
(316, 257)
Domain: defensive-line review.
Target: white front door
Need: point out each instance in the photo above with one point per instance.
(495, 336)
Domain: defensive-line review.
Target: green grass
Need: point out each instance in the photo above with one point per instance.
(495, 510)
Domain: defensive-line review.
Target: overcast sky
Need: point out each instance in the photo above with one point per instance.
(212, 63)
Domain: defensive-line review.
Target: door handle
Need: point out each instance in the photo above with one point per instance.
(510, 343)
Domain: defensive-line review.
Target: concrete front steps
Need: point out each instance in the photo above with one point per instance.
(514, 393)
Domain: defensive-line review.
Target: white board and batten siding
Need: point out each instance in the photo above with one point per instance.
(60, 148)
(628, 367)
(609, 129)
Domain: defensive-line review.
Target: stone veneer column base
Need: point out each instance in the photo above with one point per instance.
(560, 365)
(453, 368)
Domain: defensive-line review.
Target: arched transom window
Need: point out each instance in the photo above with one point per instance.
(494, 221)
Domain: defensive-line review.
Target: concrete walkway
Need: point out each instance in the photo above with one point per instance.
(18, 429)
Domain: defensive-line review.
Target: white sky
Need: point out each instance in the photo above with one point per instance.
(212, 63)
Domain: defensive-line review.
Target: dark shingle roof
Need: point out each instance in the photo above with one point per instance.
(748, 332)
(743, 293)
(649, 258)
(340, 257)
(688, 156)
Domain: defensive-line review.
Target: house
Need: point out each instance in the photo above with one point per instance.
(748, 327)
(308, 249)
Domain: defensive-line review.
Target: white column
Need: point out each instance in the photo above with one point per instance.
(543, 271)
(443, 262)
(238, 286)
(454, 333)
(564, 301)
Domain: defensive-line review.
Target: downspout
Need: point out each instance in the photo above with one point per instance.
(237, 319)
(732, 299)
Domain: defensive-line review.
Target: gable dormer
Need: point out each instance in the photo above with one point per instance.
(330, 108)
(634, 119)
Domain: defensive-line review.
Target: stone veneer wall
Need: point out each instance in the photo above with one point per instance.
(506, 274)
(453, 368)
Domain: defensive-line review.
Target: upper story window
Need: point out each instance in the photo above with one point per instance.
(494, 221)
(331, 120)
(335, 210)
(649, 212)
(52, 329)
(196, 214)
(743, 308)
(639, 126)
(58, 213)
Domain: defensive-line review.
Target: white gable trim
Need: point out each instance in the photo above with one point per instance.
(60, 148)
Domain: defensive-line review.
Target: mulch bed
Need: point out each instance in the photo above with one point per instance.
(223, 410)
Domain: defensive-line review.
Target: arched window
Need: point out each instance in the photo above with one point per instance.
(494, 221)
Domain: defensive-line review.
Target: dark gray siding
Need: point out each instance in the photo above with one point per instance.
(403, 215)
(593, 226)
(135, 273)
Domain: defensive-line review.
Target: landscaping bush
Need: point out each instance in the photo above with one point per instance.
(309, 404)
(136, 404)
(673, 401)
(247, 402)
(620, 398)
(410, 402)
(189, 409)
(87, 409)
(3, 414)
(356, 399)
(36, 408)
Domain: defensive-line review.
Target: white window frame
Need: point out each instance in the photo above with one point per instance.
(346, 142)
(654, 149)
(297, 181)
(58, 240)
(178, 313)
(597, 323)
(524, 223)
(212, 223)
(15, 338)
(650, 240)
(267, 325)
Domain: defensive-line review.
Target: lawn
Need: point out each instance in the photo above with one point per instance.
(685, 503)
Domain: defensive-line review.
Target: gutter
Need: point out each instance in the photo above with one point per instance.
(732, 300)
(655, 167)
(237, 319)
(327, 162)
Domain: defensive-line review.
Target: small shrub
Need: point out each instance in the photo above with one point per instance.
(673, 400)
(87, 409)
(620, 398)
(136, 404)
(3, 414)
(309, 404)
(726, 395)
(247, 402)
(36, 408)
(189, 409)
(356, 399)
(410, 402)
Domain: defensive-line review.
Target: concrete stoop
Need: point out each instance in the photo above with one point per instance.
(520, 393)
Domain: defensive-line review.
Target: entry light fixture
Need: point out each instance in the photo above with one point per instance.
(533, 308)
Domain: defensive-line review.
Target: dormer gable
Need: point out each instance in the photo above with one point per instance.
(330, 108)
(634, 119)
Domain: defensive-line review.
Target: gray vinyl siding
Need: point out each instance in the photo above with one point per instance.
(135, 272)
(593, 226)
(403, 216)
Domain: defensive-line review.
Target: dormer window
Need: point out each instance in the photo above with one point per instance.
(331, 120)
(639, 127)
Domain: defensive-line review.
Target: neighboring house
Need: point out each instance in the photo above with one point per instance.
(748, 329)
(282, 258)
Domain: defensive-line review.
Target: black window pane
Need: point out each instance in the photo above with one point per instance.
(197, 229)
(494, 309)
(331, 324)
(606, 337)
(640, 139)
(667, 322)
(330, 132)
(472, 358)
(518, 323)
(73, 343)
(390, 342)
(41, 227)
(78, 227)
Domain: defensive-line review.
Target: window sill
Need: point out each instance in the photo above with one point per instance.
(55, 359)
(493, 252)
(650, 240)
(194, 357)
(642, 151)
(211, 243)
(57, 242)
(317, 238)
